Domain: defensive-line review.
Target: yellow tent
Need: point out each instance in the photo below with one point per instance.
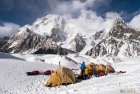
(61, 76)
(93, 69)
(110, 69)
(101, 67)
(90, 70)
(90, 66)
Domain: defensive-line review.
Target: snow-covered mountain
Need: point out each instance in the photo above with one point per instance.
(26, 41)
(121, 40)
(54, 34)
(58, 31)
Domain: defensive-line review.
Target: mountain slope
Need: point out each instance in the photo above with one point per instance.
(27, 41)
(54, 34)
(121, 40)
(51, 28)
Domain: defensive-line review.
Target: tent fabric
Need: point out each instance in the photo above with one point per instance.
(54, 80)
(61, 76)
(110, 69)
(101, 67)
(90, 70)
(93, 69)
(101, 73)
(90, 66)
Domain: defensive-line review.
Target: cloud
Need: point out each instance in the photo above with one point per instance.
(109, 20)
(8, 29)
(82, 11)
(39, 8)
(95, 23)
(135, 22)
(72, 8)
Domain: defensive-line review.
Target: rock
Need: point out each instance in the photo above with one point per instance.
(28, 42)
(121, 40)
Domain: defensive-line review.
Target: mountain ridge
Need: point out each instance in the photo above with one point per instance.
(62, 36)
(121, 39)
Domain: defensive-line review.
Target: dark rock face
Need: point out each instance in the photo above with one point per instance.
(121, 31)
(57, 35)
(57, 50)
(3, 41)
(98, 35)
(106, 47)
(29, 42)
(78, 43)
(121, 39)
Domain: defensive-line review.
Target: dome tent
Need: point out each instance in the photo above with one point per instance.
(90, 70)
(109, 69)
(101, 67)
(61, 76)
(101, 70)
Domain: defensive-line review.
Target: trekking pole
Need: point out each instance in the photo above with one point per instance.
(51, 67)
(59, 64)
(66, 81)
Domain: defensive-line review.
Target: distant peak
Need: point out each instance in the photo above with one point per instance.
(119, 22)
(24, 30)
(24, 27)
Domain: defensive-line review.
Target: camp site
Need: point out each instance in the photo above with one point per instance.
(102, 75)
(69, 46)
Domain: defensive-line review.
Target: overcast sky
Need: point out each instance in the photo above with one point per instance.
(16, 13)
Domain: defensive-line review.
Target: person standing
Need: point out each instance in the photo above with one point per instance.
(83, 67)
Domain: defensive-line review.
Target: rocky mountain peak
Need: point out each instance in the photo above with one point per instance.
(46, 33)
(120, 22)
(121, 30)
(27, 41)
(121, 40)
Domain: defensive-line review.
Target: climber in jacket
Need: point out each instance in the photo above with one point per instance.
(83, 67)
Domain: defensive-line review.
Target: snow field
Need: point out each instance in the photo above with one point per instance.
(13, 79)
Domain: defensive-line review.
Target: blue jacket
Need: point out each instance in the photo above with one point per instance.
(83, 66)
